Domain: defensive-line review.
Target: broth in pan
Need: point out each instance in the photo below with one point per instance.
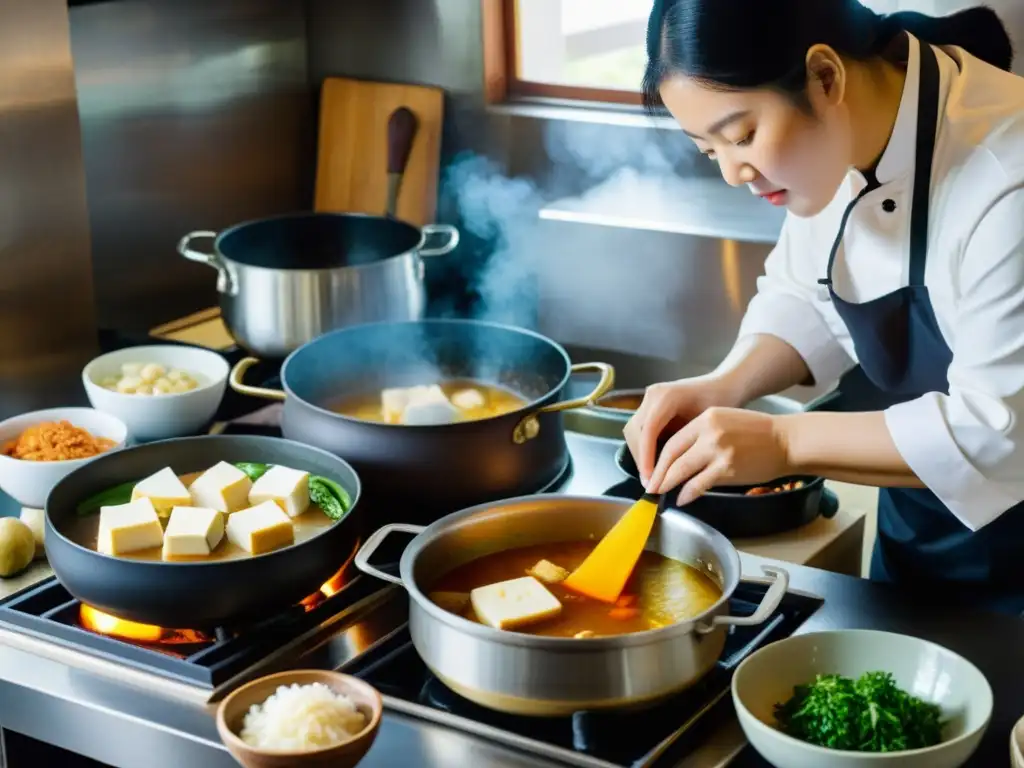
(450, 401)
(661, 591)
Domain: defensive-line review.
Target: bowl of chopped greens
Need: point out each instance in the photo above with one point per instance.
(1017, 745)
(857, 698)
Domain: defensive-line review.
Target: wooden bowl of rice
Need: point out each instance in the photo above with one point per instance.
(300, 718)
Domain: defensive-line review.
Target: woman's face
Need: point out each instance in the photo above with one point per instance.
(762, 139)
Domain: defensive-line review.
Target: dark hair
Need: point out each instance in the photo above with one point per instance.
(741, 44)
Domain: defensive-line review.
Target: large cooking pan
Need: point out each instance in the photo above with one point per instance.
(197, 595)
(531, 675)
(423, 472)
(738, 515)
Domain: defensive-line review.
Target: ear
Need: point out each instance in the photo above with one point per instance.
(826, 70)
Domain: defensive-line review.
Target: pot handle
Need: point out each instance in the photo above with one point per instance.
(237, 383)
(434, 230)
(374, 541)
(771, 600)
(528, 428)
(224, 282)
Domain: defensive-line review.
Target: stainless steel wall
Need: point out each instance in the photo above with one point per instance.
(195, 115)
(46, 299)
(636, 288)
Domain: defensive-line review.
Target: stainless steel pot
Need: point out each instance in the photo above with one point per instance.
(525, 674)
(285, 280)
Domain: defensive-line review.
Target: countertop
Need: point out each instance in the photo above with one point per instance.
(82, 702)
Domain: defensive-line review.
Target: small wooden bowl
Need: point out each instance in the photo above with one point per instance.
(232, 711)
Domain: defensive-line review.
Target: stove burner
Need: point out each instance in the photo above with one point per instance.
(49, 613)
(657, 735)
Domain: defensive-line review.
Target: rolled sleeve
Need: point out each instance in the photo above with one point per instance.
(967, 446)
(787, 306)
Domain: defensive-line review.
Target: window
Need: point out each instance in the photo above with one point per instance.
(592, 50)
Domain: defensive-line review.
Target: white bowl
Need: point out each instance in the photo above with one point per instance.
(1017, 744)
(30, 482)
(158, 417)
(921, 668)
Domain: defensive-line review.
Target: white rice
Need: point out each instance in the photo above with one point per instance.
(302, 718)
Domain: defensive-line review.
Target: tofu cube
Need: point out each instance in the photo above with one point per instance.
(514, 603)
(260, 529)
(468, 399)
(164, 489)
(223, 487)
(418, 406)
(286, 487)
(548, 572)
(128, 528)
(192, 532)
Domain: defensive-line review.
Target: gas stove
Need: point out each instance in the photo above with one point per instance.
(160, 685)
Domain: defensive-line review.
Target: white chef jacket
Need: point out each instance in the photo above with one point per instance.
(967, 446)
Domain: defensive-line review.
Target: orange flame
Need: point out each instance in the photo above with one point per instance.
(105, 624)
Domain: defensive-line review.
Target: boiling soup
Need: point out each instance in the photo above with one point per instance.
(520, 590)
(450, 401)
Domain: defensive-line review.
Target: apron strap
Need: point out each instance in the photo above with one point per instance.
(927, 125)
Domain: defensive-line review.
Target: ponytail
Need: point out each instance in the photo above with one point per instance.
(979, 31)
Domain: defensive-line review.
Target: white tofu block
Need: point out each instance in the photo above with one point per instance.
(468, 399)
(223, 487)
(418, 406)
(514, 603)
(192, 532)
(286, 487)
(260, 529)
(128, 528)
(164, 489)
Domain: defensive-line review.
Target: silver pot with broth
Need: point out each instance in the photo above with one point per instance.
(436, 415)
(490, 618)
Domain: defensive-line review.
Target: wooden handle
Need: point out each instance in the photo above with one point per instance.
(402, 126)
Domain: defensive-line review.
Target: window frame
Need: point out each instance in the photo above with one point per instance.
(501, 65)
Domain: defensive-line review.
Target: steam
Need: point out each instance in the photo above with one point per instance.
(500, 215)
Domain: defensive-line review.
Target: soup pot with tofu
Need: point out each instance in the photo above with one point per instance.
(491, 618)
(435, 415)
(203, 532)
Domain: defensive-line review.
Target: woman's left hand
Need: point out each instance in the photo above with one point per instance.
(722, 446)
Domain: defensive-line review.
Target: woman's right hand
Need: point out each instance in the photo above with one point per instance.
(668, 407)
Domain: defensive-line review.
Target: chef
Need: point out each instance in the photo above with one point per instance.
(896, 144)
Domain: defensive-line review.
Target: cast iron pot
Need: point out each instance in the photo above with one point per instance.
(530, 675)
(423, 472)
(197, 595)
(739, 516)
(285, 280)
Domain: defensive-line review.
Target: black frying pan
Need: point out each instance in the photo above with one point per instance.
(197, 595)
(738, 516)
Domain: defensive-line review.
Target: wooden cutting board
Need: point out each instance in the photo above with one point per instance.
(352, 156)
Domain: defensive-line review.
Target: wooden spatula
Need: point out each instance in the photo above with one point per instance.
(603, 575)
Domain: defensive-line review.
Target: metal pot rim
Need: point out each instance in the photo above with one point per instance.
(436, 529)
(316, 214)
(520, 413)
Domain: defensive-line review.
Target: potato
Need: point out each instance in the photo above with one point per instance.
(17, 546)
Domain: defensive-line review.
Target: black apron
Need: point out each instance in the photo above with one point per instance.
(902, 355)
